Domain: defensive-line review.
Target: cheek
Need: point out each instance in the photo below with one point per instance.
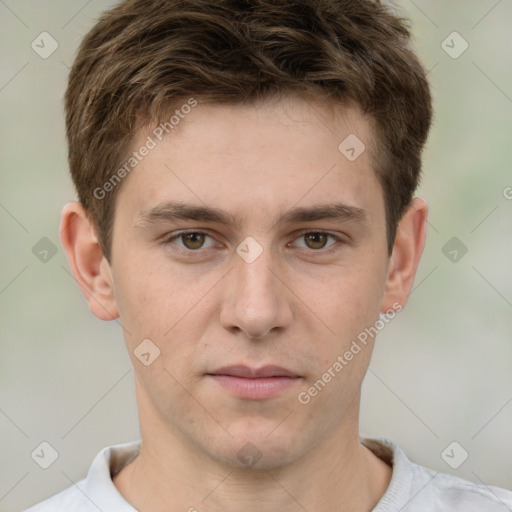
(146, 302)
(344, 357)
(350, 300)
(166, 308)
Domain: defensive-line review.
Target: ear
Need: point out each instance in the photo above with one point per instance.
(407, 250)
(90, 268)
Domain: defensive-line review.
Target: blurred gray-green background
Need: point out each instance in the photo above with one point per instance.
(441, 372)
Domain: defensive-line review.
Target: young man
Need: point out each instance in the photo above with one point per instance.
(245, 172)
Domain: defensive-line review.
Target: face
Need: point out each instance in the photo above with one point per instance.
(276, 257)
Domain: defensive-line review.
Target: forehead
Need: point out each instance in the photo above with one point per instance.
(260, 158)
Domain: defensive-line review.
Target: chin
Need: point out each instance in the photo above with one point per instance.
(261, 449)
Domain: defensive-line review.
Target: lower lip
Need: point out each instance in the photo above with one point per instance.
(265, 387)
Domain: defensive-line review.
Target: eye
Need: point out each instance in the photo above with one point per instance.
(317, 240)
(194, 241)
(191, 241)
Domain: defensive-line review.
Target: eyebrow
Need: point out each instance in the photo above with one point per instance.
(173, 211)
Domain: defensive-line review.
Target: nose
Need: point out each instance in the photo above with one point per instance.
(256, 300)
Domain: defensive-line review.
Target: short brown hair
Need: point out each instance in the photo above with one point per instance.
(143, 57)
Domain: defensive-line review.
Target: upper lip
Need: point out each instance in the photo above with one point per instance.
(254, 373)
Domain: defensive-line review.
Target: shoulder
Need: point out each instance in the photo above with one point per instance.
(70, 500)
(449, 492)
(97, 491)
(415, 488)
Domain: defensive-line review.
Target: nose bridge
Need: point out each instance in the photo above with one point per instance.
(254, 276)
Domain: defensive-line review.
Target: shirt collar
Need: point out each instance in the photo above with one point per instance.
(99, 487)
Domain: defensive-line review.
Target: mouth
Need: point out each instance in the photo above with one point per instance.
(252, 383)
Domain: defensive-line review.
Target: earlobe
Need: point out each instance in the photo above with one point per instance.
(90, 268)
(405, 258)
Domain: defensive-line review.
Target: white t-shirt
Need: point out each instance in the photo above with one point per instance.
(412, 488)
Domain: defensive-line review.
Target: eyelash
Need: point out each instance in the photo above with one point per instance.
(168, 240)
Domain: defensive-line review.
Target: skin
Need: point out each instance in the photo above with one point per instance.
(298, 305)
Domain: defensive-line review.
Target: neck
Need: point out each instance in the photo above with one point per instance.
(173, 474)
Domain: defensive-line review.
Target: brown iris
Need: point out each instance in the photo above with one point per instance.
(316, 240)
(193, 240)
